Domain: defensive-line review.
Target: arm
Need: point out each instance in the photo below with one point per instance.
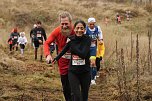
(65, 49)
(44, 35)
(31, 32)
(51, 38)
(18, 41)
(102, 50)
(47, 43)
(9, 39)
(25, 40)
(100, 33)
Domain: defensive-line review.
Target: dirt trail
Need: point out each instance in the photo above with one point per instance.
(26, 79)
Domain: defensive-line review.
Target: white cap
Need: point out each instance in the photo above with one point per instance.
(91, 20)
(34, 25)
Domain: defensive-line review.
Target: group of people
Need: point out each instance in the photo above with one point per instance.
(119, 18)
(16, 39)
(37, 35)
(80, 49)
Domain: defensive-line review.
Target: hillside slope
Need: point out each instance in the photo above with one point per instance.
(24, 79)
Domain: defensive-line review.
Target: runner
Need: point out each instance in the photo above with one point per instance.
(22, 40)
(94, 32)
(14, 36)
(118, 18)
(99, 55)
(60, 36)
(79, 70)
(39, 36)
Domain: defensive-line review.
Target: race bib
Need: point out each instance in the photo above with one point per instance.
(76, 60)
(15, 37)
(39, 35)
(67, 56)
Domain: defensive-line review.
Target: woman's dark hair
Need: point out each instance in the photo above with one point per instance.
(80, 21)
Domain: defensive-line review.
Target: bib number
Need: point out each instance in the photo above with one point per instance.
(15, 37)
(67, 56)
(39, 35)
(76, 60)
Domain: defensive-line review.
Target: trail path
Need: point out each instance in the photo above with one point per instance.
(24, 79)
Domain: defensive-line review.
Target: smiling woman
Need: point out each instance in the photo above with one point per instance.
(79, 28)
(79, 70)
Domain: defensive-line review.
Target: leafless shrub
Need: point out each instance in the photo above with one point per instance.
(149, 52)
(138, 70)
(118, 71)
(131, 52)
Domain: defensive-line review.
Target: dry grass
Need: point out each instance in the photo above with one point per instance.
(24, 78)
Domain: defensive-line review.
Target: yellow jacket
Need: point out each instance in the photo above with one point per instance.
(100, 50)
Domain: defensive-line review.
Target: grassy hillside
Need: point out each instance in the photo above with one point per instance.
(24, 79)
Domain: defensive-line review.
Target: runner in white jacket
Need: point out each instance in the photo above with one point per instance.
(22, 40)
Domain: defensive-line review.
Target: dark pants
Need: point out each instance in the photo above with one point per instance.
(10, 45)
(93, 72)
(66, 87)
(98, 63)
(36, 44)
(22, 46)
(80, 84)
(15, 45)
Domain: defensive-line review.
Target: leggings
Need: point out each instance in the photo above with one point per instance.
(98, 63)
(66, 87)
(80, 84)
(22, 46)
(10, 47)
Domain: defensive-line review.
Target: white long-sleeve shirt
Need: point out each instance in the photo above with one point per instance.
(22, 40)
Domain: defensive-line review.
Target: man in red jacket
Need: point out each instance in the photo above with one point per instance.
(60, 36)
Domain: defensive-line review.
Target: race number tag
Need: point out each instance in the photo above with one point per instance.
(15, 37)
(39, 35)
(76, 60)
(67, 56)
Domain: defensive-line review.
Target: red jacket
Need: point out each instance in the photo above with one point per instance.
(56, 36)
